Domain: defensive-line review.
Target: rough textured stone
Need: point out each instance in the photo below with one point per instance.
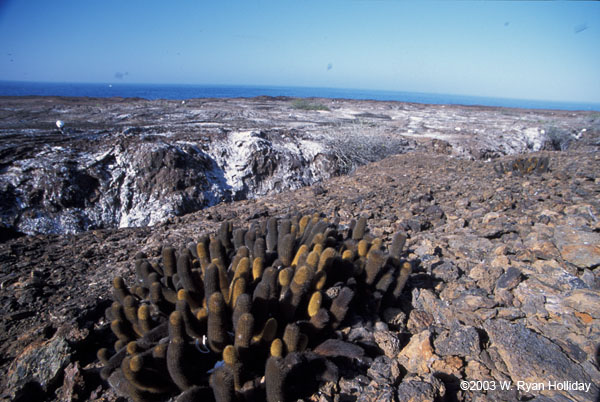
(486, 275)
(353, 387)
(509, 279)
(535, 359)
(73, 383)
(336, 347)
(585, 301)
(39, 364)
(436, 311)
(388, 342)
(395, 317)
(472, 302)
(377, 392)
(460, 341)
(415, 389)
(577, 246)
(446, 272)
(418, 354)
(449, 366)
(384, 370)
(554, 274)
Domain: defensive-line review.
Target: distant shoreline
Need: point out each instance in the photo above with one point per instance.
(185, 92)
(267, 98)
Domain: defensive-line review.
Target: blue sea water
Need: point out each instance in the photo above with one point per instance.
(175, 91)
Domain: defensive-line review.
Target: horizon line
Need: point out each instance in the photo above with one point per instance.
(273, 86)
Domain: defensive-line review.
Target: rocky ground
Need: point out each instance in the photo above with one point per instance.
(506, 282)
(122, 163)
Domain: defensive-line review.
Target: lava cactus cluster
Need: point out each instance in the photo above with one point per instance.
(240, 314)
(524, 165)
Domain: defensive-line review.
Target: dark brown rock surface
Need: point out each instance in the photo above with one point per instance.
(503, 289)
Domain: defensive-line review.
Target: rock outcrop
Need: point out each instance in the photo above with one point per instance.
(128, 179)
(123, 163)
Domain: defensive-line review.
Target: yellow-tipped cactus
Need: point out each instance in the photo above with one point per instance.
(314, 303)
(231, 359)
(376, 244)
(253, 296)
(238, 287)
(217, 323)
(244, 331)
(242, 269)
(276, 348)
(120, 291)
(397, 245)
(363, 248)
(257, 268)
(103, 356)
(375, 261)
(302, 224)
(230, 355)
(169, 262)
(122, 330)
(359, 230)
(285, 277)
(286, 249)
(320, 280)
(319, 238)
(312, 260)
(326, 258)
(145, 321)
(291, 338)
(143, 379)
(267, 334)
(405, 272)
(132, 348)
(191, 300)
(203, 256)
(302, 253)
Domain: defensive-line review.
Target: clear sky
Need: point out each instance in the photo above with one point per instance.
(542, 50)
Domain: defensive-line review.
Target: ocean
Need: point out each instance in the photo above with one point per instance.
(178, 91)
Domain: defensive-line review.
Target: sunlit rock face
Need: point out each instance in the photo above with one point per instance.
(129, 180)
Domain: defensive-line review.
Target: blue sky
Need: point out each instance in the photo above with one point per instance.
(530, 50)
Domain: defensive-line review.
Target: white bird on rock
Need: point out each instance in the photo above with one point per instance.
(60, 124)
